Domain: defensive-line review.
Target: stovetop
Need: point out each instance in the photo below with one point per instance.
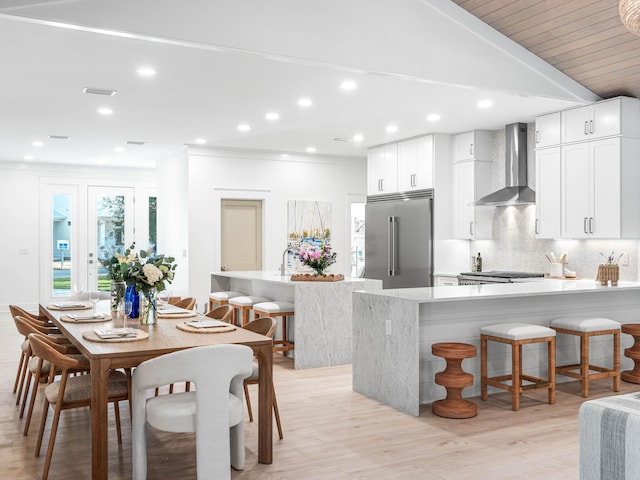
(499, 274)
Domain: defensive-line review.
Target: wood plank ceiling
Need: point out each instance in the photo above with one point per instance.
(585, 39)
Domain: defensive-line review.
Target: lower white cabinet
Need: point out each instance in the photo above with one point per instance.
(471, 181)
(445, 280)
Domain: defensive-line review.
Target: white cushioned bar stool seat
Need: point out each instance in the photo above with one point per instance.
(222, 298)
(277, 309)
(517, 335)
(242, 304)
(585, 328)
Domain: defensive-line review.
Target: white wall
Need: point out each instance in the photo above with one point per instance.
(173, 216)
(215, 174)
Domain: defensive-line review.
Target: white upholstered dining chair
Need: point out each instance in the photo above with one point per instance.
(214, 411)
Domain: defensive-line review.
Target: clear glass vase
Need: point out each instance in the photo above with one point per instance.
(148, 307)
(118, 289)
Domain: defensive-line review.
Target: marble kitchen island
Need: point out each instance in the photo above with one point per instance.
(393, 331)
(321, 327)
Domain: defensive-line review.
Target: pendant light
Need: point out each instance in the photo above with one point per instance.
(630, 15)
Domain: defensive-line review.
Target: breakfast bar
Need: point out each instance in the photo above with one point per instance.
(393, 331)
(321, 327)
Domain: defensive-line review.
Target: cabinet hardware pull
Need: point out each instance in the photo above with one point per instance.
(590, 126)
(584, 225)
(537, 136)
(471, 228)
(381, 185)
(585, 127)
(590, 224)
(413, 179)
(471, 149)
(536, 226)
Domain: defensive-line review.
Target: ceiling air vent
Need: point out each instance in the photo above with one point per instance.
(99, 91)
(59, 137)
(342, 139)
(133, 142)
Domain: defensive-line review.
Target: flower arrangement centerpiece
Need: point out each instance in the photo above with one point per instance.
(149, 273)
(318, 257)
(117, 265)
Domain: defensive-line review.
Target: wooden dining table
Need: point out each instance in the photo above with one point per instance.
(163, 338)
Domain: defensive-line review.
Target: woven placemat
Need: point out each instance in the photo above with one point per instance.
(69, 306)
(93, 337)
(188, 328)
(103, 318)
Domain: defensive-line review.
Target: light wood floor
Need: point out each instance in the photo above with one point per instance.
(330, 432)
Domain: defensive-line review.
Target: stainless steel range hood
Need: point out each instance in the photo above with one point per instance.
(516, 191)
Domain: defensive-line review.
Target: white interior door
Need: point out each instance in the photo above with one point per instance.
(110, 227)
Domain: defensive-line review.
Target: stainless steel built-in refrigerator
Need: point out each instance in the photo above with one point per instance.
(399, 239)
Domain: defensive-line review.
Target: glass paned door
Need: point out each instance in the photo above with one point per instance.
(110, 229)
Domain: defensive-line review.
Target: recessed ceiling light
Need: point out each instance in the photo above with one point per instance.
(243, 127)
(285, 155)
(272, 116)
(146, 72)
(119, 149)
(358, 137)
(392, 128)
(311, 149)
(105, 111)
(484, 103)
(201, 141)
(348, 85)
(28, 157)
(433, 117)
(305, 102)
(99, 91)
(37, 143)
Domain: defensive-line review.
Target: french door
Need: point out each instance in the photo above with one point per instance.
(81, 224)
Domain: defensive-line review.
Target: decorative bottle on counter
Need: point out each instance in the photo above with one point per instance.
(478, 263)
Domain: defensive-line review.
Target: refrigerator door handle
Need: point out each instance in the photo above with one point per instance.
(391, 246)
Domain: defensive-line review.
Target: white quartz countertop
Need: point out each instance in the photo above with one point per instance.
(275, 277)
(502, 290)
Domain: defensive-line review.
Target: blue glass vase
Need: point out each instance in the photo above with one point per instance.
(134, 297)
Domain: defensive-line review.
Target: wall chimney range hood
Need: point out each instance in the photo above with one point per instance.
(516, 191)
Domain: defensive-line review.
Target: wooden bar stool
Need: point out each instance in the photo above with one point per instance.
(277, 309)
(516, 335)
(632, 376)
(242, 304)
(454, 379)
(222, 298)
(585, 328)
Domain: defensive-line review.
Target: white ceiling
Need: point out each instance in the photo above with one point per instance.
(220, 63)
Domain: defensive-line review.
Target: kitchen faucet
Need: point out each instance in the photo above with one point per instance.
(283, 267)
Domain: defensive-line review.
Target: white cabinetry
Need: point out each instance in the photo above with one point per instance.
(415, 164)
(441, 280)
(618, 116)
(475, 145)
(471, 181)
(600, 191)
(548, 192)
(548, 130)
(382, 170)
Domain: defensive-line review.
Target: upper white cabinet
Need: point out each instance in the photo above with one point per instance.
(415, 164)
(382, 170)
(548, 130)
(475, 145)
(600, 193)
(618, 116)
(548, 192)
(471, 181)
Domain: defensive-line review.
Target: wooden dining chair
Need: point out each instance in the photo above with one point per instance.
(224, 313)
(264, 326)
(70, 392)
(187, 303)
